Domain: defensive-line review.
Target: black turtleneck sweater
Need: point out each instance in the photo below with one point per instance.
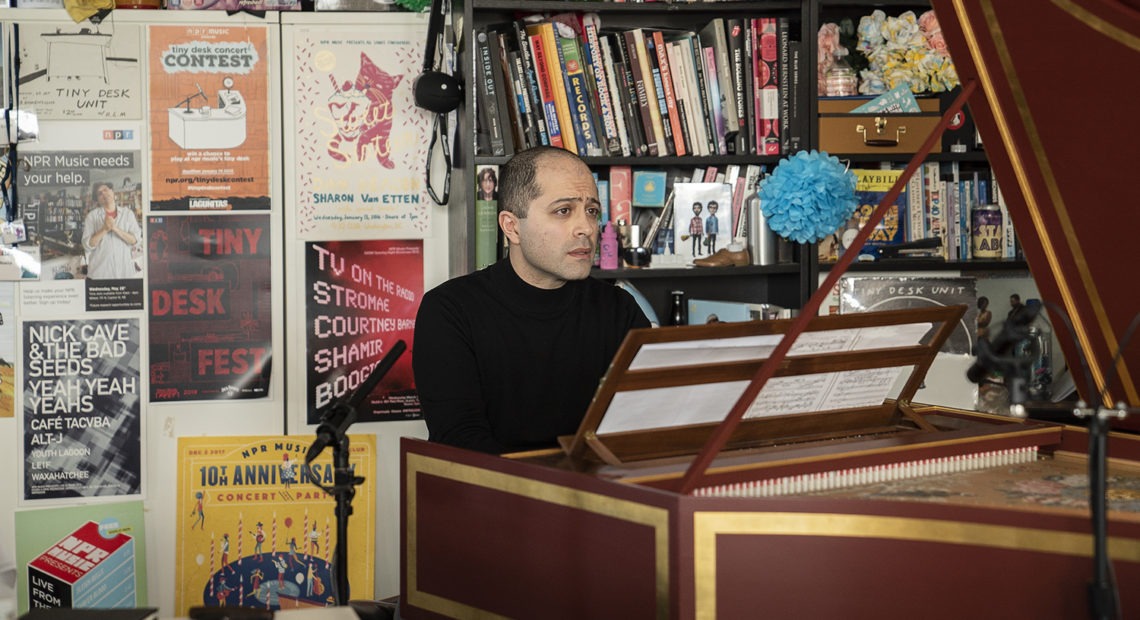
(502, 366)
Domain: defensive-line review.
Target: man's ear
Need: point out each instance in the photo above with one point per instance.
(509, 222)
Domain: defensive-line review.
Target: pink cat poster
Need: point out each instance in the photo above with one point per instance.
(360, 143)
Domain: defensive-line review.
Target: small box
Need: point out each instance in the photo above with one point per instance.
(841, 131)
(85, 569)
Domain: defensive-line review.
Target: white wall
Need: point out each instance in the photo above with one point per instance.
(283, 411)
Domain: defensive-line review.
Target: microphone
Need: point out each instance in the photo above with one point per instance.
(335, 422)
(1012, 332)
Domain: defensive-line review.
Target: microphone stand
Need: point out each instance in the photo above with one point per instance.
(333, 431)
(1103, 597)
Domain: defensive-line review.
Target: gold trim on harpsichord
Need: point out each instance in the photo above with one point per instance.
(1032, 203)
(708, 525)
(596, 503)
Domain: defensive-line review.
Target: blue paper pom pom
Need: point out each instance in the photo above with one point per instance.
(808, 196)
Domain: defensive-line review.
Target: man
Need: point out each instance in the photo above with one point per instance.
(109, 233)
(696, 228)
(509, 357)
(712, 226)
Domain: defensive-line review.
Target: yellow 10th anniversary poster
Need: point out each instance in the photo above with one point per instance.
(255, 531)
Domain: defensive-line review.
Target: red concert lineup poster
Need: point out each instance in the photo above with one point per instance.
(362, 299)
(210, 307)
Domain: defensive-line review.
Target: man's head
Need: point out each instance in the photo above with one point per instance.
(697, 208)
(713, 206)
(1015, 300)
(104, 194)
(549, 211)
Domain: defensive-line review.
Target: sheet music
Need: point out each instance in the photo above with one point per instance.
(710, 403)
(720, 350)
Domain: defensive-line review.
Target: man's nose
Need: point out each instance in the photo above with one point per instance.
(585, 223)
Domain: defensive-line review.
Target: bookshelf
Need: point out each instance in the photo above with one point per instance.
(788, 284)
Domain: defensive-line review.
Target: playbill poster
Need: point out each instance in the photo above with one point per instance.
(255, 530)
(209, 118)
(81, 205)
(83, 556)
(77, 71)
(702, 219)
(362, 299)
(210, 306)
(361, 143)
(82, 394)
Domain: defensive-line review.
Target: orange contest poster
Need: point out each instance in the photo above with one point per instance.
(209, 118)
(254, 531)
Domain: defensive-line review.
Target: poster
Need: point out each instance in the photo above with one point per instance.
(361, 143)
(254, 529)
(210, 307)
(702, 220)
(209, 118)
(81, 202)
(8, 354)
(81, 71)
(362, 298)
(87, 556)
(868, 294)
(82, 427)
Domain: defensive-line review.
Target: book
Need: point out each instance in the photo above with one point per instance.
(603, 85)
(654, 87)
(735, 35)
(557, 70)
(698, 83)
(545, 82)
(618, 111)
(936, 223)
(784, 82)
(639, 143)
(529, 71)
(713, 36)
(501, 79)
(645, 95)
(715, 100)
(871, 186)
(488, 97)
(578, 94)
(621, 194)
(670, 95)
(649, 188)
(767, 88)
(798, 97)
(518, 109)
(486, 215)
(897, 100)
(916, 211)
